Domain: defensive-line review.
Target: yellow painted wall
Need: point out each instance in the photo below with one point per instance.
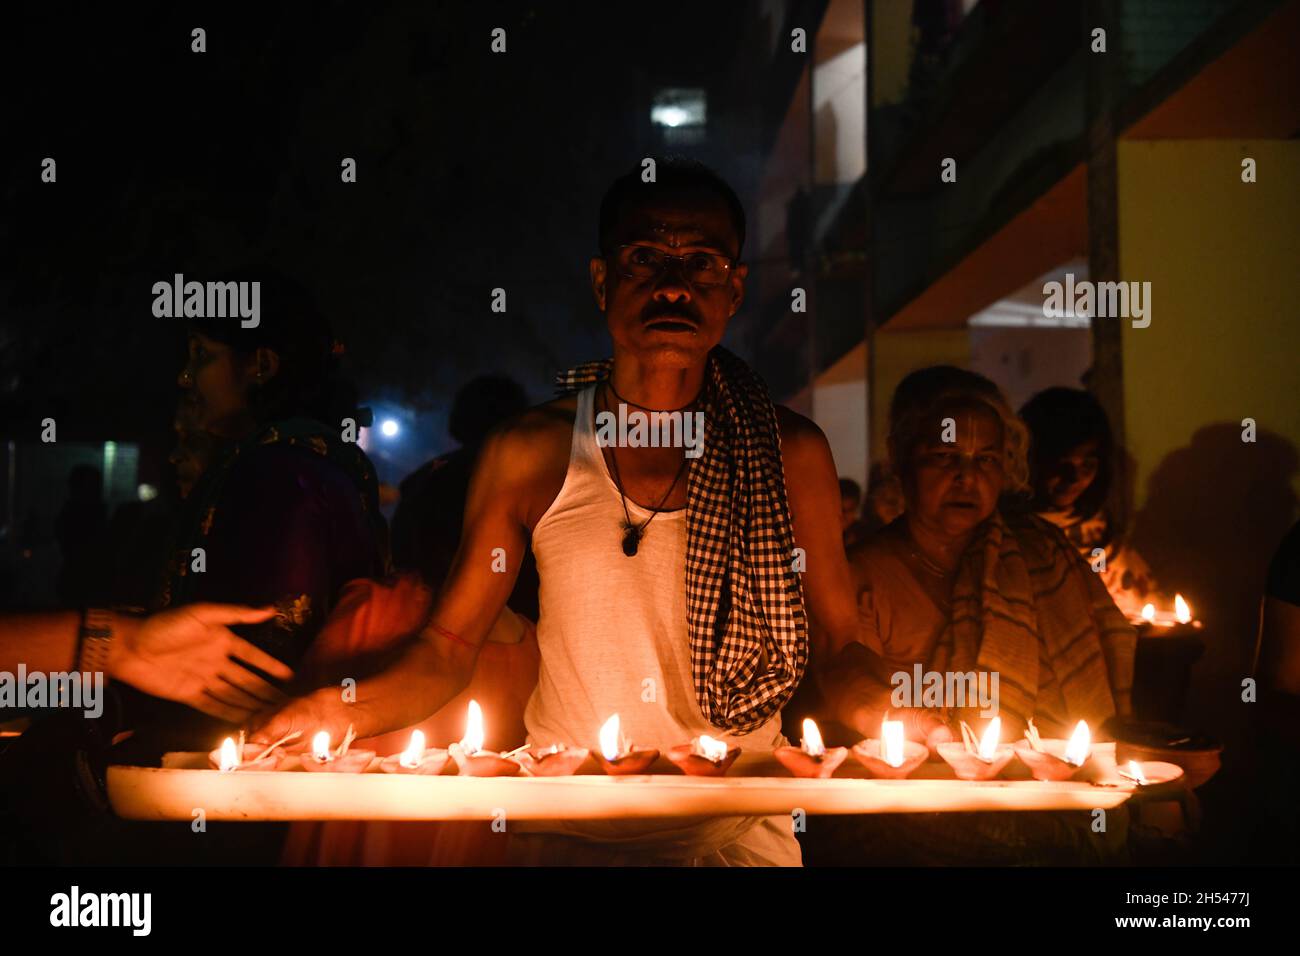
(898, 353)
(1223, 258)
(1223, 345)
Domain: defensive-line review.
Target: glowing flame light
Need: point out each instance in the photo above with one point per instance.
(1077, 750)
(1149, 612)
(709, 748)
(320, 746)
(1135, 773)
(611, 740)
(414, 751)
(812, 739)
(891, 742)
(472, 742)
(989, 742)
(229, 755)
(1181, 611)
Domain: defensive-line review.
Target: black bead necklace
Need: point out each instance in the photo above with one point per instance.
(632, 533)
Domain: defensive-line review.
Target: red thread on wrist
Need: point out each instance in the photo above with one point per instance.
(449, 635)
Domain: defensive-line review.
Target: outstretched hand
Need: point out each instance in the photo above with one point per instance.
(323, 709)
(189, 655)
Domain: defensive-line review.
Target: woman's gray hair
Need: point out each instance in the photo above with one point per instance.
(923, 392)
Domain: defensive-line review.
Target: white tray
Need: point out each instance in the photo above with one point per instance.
(755, 786)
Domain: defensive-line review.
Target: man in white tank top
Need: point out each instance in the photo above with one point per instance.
(607, 523)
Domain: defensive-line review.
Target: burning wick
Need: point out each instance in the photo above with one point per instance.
(812, 743)
(613, 745)
(229, 756)
(708, 748)
(891, 742)
(320, 747)
(1149, 612)
(989, 742)
(472, 742)
(1134, 773)
(1181, 611)
(1080, 745)
(414, 751)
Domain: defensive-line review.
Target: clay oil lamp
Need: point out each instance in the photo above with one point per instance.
(1055, 759)
(1180, 616)
(977, 758)
(320, 759)
(557, 760)
(1150, 774)
(617, 756)
(704, 756)
(811, 758)
(416, 758)
(892, 757)
(471, 759)
(246, 757)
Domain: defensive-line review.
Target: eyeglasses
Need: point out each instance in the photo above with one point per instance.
(699, 268)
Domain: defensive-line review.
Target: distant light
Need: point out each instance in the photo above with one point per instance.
(146, 492)
(677, 107)
(389, 428)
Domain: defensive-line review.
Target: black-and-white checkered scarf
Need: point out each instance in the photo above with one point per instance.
(744, 600)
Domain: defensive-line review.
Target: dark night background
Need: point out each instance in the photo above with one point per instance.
(475, 170)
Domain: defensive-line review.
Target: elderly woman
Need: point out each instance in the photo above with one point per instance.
(958, 584)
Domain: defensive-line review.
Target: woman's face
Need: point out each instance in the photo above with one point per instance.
(1071, 475)
(955, 485)
(219, 384)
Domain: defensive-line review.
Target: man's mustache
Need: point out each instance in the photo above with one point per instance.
(668, 311)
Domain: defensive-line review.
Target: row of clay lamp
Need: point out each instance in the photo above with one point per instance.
(890, 757)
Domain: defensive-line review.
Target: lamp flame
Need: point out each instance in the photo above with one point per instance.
(320, 746)
(1149, 612)
(611, 739)
(710, 749)
(414, 751)
(1181, 610)
(812, 742)
(1077, 750)
(1135, 773)
(891, 742)
(229, 755)
(989, 742)
(472, 742)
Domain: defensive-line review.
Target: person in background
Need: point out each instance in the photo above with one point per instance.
(1072, 464)
(82, 532)
(884, 498)
(1277, 715)
(851, 523)
(283, 510)
(957, 584)
(427, 524)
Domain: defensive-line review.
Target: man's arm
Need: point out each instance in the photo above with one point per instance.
(438, 664)
(856, 690)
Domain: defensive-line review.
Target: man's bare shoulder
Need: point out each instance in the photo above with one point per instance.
(803, 444)
(535, 435)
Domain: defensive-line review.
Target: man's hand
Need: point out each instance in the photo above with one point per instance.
(322, 709)
(187, 654)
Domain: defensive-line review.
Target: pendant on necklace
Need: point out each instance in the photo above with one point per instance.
(631, 538)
